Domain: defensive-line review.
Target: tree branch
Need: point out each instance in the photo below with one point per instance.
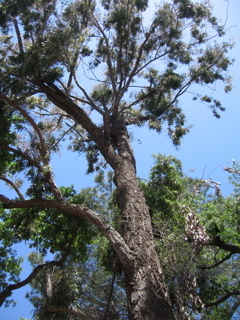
(8, 291)
(136, 120)
(109, 61)
(89, 100)
(44, 154)
(13, 185)
(105, 315)
(218, 263)
(30, 120)
(66, 104)
(119, 245)
(20, 44)
(22, 154)
(223, 299)
(225, 246)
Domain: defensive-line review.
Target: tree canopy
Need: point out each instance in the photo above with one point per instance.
(77, 74)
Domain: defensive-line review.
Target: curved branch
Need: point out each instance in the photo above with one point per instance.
(8, 291)
(65, 103)
(48, 174)
(218, 263)
(225, 246)
(30, 120)
(13, 185)
(119, 245)
(22, 154)
(42, 148)
(223, 299)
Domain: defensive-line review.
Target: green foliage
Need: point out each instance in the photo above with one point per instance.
(50, 52)
(194, 278)
(7, 137)
(85, 286)
(51, 229)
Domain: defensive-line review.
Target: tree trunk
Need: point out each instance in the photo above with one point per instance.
(147, 294)
(146, 291)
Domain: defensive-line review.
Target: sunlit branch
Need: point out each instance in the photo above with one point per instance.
(14, 186)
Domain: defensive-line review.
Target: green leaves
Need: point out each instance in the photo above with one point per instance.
(169, 194)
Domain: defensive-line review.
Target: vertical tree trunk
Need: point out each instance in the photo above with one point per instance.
(147, 295)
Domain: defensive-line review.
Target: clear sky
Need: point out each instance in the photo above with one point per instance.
(210, 146)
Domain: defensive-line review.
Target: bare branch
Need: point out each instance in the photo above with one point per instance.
(20, 44)
(218, 263)
(8, 291)
(223, 299)
(13, 185)
(89, 100)
(225, 246)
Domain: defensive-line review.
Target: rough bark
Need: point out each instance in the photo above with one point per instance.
(146, 291)
(147, 294)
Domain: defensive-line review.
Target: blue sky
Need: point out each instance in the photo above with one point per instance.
(205, 151)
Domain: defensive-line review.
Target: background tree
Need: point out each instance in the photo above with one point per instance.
(202, 279)
(141, 70)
